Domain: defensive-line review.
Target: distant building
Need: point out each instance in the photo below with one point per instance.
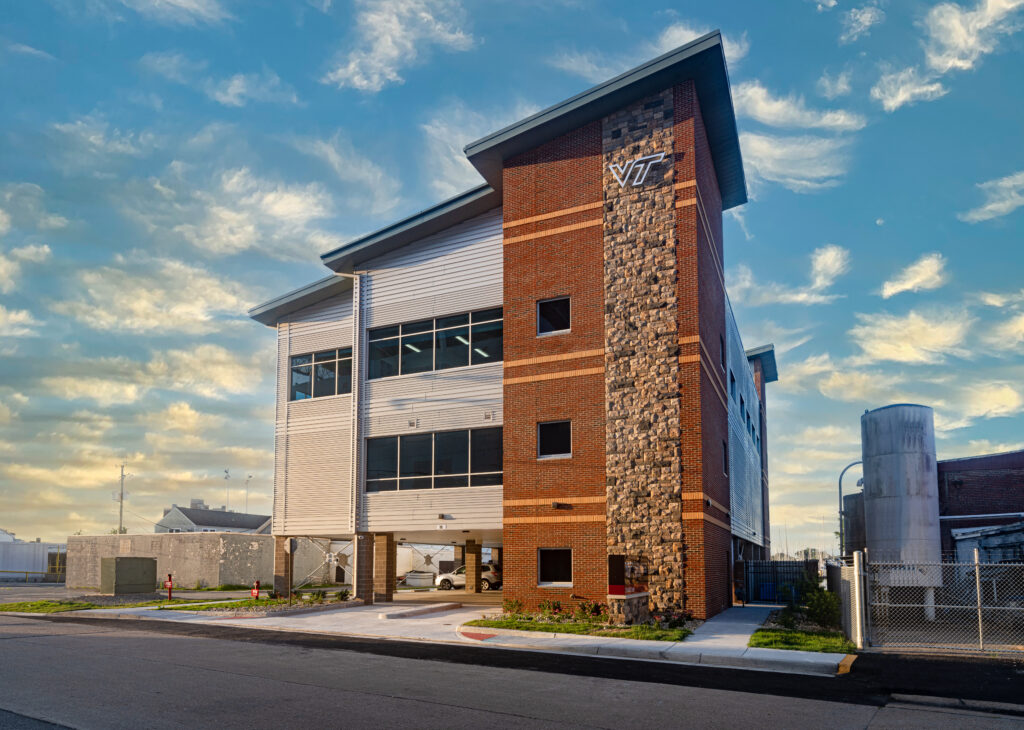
(6, 536)
(198, 517)
(995, 544)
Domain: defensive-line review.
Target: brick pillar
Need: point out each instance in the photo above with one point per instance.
(496, 557)
(472, 566)
(459, 554)
(362, 579)
(282, 567)
(385, 558)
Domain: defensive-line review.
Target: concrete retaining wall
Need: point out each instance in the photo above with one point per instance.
(204, 559)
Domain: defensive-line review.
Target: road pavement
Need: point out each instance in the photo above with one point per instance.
(93, 673)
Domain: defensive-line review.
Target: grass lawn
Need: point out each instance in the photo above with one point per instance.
(827, 641)
(62, 606)
(233, 605)
(648, 633)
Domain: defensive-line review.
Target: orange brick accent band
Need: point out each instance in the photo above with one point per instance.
(702, 496)
(553, 231)
(703, 516)
(689, 358)
(685, 184)
(553, 358)
(554, 214)
(553, 376)
(686, 203)
(689, 340)
(552, 520)
(564, 500)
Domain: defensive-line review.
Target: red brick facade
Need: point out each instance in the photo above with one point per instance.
(992, 484)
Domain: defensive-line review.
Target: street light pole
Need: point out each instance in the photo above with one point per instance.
(842, 531)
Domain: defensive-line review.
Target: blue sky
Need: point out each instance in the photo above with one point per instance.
(168, 163)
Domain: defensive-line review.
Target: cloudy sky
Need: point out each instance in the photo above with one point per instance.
(166, 164)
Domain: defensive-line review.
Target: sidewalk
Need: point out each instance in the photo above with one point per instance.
(721, 641)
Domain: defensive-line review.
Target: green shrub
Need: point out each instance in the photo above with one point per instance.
(343, 594)
(823, 608)
(512, 606)
(787, 617)
(590, 611)
(550, 608)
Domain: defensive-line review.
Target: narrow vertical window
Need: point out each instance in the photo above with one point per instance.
(301, 383)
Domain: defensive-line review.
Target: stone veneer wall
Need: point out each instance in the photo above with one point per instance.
(643, 459)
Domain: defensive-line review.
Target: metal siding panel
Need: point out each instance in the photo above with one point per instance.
(746, 498)
(471, 508)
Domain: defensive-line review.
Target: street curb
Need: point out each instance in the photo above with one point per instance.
(421, 611)
(774, 660)
(1001, 708)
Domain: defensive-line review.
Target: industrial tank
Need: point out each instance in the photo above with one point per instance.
(901, 489)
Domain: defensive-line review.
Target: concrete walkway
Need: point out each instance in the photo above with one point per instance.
(720, 641)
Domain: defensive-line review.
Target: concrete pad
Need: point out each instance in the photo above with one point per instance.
(419, 611)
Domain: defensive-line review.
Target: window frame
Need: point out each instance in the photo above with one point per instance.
(547, 457)
(311, 365)
(433, 476)
(555, 584)
(567, 330)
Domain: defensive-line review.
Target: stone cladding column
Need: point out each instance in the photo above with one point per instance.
(385, 559)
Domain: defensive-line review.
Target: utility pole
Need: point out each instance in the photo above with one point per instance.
(247, 493)
(120, 501)
(227, 491)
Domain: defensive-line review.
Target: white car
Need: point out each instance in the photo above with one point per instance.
(490, 577)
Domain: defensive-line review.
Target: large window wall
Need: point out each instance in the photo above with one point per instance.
(466, 458)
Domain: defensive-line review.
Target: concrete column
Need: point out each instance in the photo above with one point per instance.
(472, 566)
(362, 579)
(385, 559)
(282, 567)
(496, 557)
(459, 554)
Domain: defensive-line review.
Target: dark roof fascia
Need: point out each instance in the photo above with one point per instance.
(766, 354)
(272, 312)
(444, 215)
(702, 60)
(1001, 460)
(218, 518)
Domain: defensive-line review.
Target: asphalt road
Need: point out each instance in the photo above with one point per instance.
(102, 673)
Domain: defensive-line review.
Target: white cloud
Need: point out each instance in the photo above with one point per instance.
(1002, 196)
(24, 50)
(824, 5)
(897, 88)
(144, 294)
(828, 435)
(992, 399)
(860, 386)
(928, 272)
(449, 129)
(10, 264)
(976, 447)
(755, 101)
(172, 65)
(859, 21)
(802, 164)
(797, 376)
(916, 338)
(5, 222)
(239, 89)
(180, 12)
(1007, 335)
(90, 144)
(828, 263)
(369, 188)
(17, 323)
(832, 87)
(598, 66)
(957, 37)
(393, 35)
(24, 208)
(992, 299)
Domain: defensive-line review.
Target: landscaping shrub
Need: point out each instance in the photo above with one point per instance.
(512, 606)
(342, 595)
(823, 608)
(550, 608)
(673, 619)
(590, 611)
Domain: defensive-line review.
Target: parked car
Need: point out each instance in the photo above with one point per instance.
(490, 577)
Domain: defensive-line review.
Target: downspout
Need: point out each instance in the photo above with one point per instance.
(355, 431)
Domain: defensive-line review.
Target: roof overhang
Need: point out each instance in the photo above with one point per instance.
(272, 312)
(766, 355)
(702, 60)
(420, 225)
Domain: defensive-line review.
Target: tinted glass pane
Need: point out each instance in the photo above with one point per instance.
(302, 359)
(486, 343)
(415, 455)
(453, 348)
(553, 316)
(486, 314)
(344, 376)
(325, 355)
(452, 321)
(554, 439)
(383, 359)
(418, 353)
(451, 452)
(485, 480)
(382, 458)
(424, 325)
(447, 482)
(300, 383)
(387, 485)
(424, 483)
(486, 449)
(323, 383)
(556, 566)
(382, 332)
(345, 352)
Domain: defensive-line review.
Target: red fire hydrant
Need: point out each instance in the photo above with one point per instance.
(255, 592)
(169, 584)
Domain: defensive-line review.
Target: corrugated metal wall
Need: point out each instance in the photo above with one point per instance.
(458, 270)
(745, 496)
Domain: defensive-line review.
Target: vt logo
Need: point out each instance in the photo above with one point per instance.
(637, 168)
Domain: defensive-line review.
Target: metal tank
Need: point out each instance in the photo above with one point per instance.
(901, 487)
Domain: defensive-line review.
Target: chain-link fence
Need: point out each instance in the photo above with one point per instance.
(959, 606)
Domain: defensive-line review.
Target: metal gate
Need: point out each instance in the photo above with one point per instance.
(774, 581)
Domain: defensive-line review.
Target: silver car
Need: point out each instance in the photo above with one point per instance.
(490, 577)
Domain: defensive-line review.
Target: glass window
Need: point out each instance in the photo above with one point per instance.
(345, 371)
(382, 333)
(732, 385)
(554, 566)
(424, 325)
(554, 439)
(382, 458)
(486, 343)
(449, 482)
(451, 452)
(383, 358)
(485, 480)
(725, 458)
(302, 359)
(415, 457)
(453, 321)
(324, 373)
(486, 451)
(417, 353)
(487, 315)
(300, 382)
(453, 348)
(324, 378)
(553, 316)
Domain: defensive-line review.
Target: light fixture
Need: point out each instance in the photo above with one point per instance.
(480, 352)
(412, 347)
(462, 339)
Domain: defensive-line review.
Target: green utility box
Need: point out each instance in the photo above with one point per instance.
(127, 575)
